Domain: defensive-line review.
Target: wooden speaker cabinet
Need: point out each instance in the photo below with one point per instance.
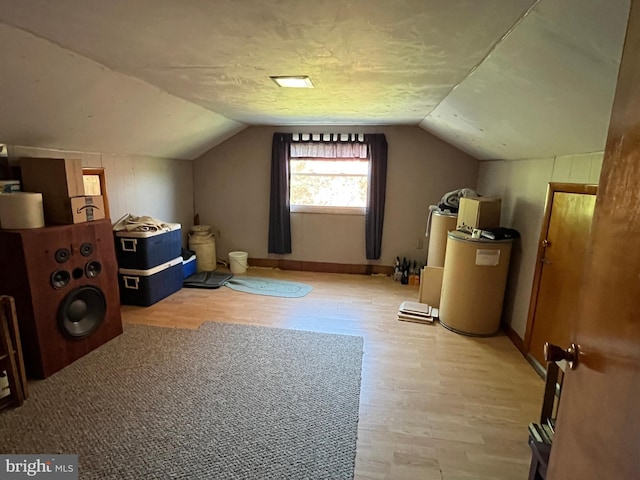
(64, 282)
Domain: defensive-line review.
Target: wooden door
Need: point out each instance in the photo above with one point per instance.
(561, 258)
(95, 183)
(598, 430)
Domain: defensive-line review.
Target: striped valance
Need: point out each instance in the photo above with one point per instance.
(328, 145)
(328, 137)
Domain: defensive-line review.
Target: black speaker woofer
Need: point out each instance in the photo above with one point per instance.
(60, 279)
(62, 255)
(82, 311)
(92, 269)
(86, 249)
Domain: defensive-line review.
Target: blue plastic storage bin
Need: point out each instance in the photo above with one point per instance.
(146, 287)
(145, 250)
(189, 266)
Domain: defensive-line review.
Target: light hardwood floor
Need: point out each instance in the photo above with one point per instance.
(433, 404)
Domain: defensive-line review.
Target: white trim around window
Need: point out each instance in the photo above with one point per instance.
(328, 210)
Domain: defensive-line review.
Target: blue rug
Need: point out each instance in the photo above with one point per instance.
(267, 286)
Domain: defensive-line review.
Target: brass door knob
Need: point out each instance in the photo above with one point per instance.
(554, 353)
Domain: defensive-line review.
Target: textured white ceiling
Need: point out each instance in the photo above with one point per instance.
(372, 62)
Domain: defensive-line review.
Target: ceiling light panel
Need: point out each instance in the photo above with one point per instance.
(301, 81)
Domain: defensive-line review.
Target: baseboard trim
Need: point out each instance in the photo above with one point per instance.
(515, 339)
(323, 267)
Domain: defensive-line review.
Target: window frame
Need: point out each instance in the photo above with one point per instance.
(330, 209)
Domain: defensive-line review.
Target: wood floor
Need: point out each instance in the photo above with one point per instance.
(433, 405)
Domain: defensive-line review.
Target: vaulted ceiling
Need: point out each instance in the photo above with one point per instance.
(499, 79)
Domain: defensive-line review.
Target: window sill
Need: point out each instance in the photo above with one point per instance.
(327, 210)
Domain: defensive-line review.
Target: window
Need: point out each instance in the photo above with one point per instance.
(372, 147)
(328, 185)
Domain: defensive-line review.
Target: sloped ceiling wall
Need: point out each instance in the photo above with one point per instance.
(509, 80)
(53, 97)
(547, 88)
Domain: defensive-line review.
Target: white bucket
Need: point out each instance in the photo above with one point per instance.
(238, 262)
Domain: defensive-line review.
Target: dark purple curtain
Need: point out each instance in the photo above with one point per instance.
(279, 211)
(374, 218)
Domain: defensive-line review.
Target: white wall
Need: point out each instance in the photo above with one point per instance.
(522, 185)
(232, 182)
(136, 184)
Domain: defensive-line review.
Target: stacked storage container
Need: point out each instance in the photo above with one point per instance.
(149, 264)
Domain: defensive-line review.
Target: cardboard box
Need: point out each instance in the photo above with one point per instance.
(479, 213)
(431, 285)
(66, 211)
(58, 177)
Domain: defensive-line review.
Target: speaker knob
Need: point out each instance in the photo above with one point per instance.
(60, 279)
(86, 249)
(92, 269)
(62, 255)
